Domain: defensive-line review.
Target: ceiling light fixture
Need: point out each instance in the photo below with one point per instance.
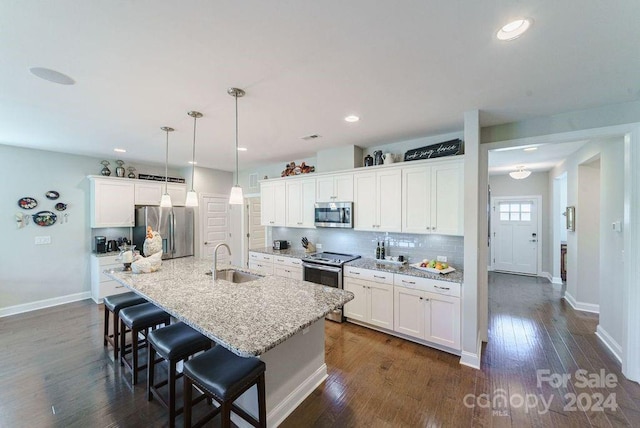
(192, 196)
(514, 29)
(236, 197)
(530, 149)
(193, 163)
(520, 173)
(242, 149)
(51, 75)
(120, 150)
(352, 118)
(165, 201)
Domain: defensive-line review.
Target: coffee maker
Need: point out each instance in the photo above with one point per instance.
(101, 244)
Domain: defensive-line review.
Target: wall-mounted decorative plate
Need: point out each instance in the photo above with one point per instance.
(60, 206)
(45, 218)
(52, 194)
(27, 203)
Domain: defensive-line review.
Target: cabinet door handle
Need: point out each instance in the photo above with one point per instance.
(381, 277)
(442, 288)
(421, 298)
(119, 286)
(300, 223)
(408, 282)
(355, 273)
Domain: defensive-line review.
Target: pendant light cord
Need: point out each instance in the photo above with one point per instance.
(166, 167)
(193, 152)
(237, 172)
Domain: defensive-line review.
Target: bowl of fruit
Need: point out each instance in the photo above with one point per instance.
(433, 266)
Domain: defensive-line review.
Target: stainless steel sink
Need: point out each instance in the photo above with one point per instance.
(235, 276)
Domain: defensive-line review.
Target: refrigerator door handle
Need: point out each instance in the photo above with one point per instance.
(173, 234)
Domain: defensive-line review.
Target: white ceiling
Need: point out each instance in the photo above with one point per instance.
(408, 69)
(543, 158)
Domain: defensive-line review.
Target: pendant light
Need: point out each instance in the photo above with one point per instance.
(192, 196)
(520, 174)
(236, 197)
(165, 201)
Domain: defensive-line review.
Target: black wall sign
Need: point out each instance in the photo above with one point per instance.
(160, 178)
(448, 148)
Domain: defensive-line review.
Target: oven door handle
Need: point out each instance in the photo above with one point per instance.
(319, 267)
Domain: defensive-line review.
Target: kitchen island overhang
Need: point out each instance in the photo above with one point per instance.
(280, 320)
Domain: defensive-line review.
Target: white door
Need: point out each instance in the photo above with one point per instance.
(515, 237)
(256, 230)
(215, 227)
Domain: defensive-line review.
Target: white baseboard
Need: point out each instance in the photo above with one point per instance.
(41, 304)
(278, 414)
(610, 343)
(472, 360)
(489, 268)
(556, 280)
(581, 306)
(546, 275)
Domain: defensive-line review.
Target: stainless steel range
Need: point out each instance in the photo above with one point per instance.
(326, 269)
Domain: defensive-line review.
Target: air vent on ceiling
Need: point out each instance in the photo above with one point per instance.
(253, 180)
(311, 137)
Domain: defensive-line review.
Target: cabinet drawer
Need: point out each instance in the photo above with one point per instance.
(427, 284)
(261, 266)
(261, 257)
(369, 275)
(110, 288)
(287, 261)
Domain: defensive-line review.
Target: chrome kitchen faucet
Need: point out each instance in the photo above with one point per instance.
(215, 259)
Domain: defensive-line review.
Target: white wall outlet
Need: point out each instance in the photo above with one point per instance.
(442, 259)
(43, 240)
(616, 226)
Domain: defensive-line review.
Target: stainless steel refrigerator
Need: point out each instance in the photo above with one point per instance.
(175, 226)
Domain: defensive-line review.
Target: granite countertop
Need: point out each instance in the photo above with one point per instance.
(248, 318)
(110, 253)
(373, 264)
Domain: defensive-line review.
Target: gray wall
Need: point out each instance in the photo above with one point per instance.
(28, 272)
(536, 184)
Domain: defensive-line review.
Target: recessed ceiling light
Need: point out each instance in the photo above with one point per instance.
(193, 163)
(352, 118)
(51, 75)
(120, 150)
(242, 149)
(514, 29)
(530, 149)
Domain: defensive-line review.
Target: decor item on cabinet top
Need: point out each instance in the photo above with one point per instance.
(447, 148)
(153, 246)
(292, 169)
(368, 160)
(120, 169)
(389, 158)
(377, 157)
(105, 170)
(152, 177)
(131, 173)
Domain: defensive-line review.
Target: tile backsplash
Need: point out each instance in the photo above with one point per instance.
(416, 247)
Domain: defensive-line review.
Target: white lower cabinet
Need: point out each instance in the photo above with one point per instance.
(287, 267)
(102, 285)
(373, 301)
(262, 263)
(426, 315)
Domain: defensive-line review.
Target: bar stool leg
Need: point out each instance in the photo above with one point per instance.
(123, 338)
(172, 393)
(116, 332)
(188, 389)
(151, 357)
(106, 326)
(226, 414)
(262, 402)
(134, 349)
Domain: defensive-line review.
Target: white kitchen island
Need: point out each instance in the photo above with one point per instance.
(280, 320)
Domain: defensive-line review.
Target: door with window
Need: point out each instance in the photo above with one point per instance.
(515, 241)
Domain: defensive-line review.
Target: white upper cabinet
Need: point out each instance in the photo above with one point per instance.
(378, 200)
(273, 203)
(111, 202)
(432, 198)
(334, 188)
(150, 192)
(300, 197)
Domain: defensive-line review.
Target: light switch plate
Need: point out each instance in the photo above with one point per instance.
(43, 240)
(442, 259)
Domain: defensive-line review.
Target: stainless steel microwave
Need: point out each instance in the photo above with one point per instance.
(334, 214)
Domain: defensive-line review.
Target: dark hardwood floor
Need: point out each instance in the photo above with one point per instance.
(56, 373)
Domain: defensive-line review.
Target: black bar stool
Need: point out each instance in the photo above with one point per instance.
(174, 343)
(224, 376)
(112, 305)
(139, 318)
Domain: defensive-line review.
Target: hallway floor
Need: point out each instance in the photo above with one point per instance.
(55, 372)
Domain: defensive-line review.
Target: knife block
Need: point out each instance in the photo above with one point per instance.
(310, 248)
